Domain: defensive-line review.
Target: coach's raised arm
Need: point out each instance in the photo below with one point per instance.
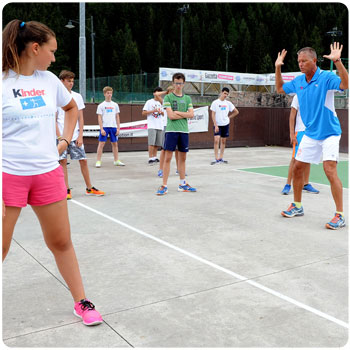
(310, 69)
(335, 57)
(278, 75)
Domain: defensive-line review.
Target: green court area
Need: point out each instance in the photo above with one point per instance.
(317, 174)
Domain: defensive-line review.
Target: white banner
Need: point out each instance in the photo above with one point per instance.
(139, 128)
(201, 76)
(200, 121)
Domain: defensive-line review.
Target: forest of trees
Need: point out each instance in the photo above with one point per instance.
(132, 38)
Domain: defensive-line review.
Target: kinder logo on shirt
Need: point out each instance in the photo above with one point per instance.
(222, 107)
(25, 93)
(109, 109)
(32, 102)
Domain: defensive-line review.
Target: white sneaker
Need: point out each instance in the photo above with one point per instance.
(98, 164)
(118, 163)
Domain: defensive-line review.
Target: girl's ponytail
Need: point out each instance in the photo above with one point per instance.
(15, 37)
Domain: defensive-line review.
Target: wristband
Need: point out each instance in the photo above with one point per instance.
(62, 139)
(337, 60)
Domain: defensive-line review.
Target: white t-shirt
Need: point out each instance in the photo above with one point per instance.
(60, 114)
(155, 120)
(108, 110)
(222, 109)
(299, 125)
(29, 105)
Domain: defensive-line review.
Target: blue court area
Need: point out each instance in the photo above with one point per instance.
(216, 268)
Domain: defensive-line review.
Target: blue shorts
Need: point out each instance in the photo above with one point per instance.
(173, 139)
(223, 131)
(112, 134)
(299, 135)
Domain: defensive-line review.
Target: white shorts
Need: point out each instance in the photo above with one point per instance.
(316, 151)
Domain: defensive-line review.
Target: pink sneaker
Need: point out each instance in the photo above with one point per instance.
(85, 309)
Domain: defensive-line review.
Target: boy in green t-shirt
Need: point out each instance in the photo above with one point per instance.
(179, 108)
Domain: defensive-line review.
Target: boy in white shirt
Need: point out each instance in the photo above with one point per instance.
(109, 122)
(153, 110)
(76, 146)
(221, 112)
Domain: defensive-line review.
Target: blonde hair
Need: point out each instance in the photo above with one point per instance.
(15, 37)
(107, 88)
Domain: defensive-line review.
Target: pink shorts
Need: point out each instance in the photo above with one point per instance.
(43, 189)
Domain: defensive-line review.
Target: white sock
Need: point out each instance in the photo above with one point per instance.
(182, 182)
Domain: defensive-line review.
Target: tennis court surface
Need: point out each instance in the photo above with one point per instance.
(216, 268)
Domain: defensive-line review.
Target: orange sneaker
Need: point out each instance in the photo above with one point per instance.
(69, 195)
(94, 192)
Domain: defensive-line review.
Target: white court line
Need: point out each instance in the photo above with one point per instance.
(217, 267)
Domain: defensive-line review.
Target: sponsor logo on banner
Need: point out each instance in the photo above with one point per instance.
(288, 77)
(225, 77)
(211, 76)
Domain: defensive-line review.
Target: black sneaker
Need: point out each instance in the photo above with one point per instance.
(151, 162)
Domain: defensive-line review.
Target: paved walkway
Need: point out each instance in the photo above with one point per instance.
(216, 268)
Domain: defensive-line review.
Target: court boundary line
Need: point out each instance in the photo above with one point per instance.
(217, 267)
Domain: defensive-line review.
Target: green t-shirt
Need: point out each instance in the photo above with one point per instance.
(177, 103)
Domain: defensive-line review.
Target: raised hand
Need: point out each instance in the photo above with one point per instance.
(280, 58)
(335, 52)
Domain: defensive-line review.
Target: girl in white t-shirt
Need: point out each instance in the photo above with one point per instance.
(31, 172)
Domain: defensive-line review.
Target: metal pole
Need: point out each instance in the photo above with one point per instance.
(181, 25)
(82, 51)
(93, 59)
(226, 60)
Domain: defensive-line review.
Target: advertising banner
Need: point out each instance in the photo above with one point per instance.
(139, 128)
(202, 76)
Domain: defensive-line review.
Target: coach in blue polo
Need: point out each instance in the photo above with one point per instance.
(315, 90)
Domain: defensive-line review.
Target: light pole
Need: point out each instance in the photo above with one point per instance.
(334, 33)
(227, 48)
(182, 10)
(82, 55)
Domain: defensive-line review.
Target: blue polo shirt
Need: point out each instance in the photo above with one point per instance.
(316, 101)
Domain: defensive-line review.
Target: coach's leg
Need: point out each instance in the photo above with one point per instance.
(307, 174)
(330, 169)
(298, 179)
